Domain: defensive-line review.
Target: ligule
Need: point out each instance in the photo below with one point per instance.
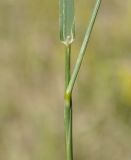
(67, 21)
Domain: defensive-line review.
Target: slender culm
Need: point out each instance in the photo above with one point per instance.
(68, 107)
(67, 36)
(83, 47)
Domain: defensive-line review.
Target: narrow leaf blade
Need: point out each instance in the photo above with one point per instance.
(67, 21)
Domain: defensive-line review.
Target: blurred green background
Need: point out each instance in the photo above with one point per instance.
(32, 82)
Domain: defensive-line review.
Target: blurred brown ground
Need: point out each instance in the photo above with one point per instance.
(32, 82)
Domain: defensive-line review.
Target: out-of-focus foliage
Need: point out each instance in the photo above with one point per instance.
(32, 75)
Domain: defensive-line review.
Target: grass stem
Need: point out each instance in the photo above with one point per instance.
(68, 107)
(83, 48)
(67, 35)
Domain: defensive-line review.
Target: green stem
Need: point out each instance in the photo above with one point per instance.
(83, 48)
(67, 65)
(68, 107)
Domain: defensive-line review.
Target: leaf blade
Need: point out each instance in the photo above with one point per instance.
(67, 21)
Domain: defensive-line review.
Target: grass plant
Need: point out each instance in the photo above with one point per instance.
(67, 36)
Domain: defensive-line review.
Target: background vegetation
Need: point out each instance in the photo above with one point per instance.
(32, 75)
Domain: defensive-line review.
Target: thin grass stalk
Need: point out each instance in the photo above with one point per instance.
(68, 107)
(83, 47)
(67, 36)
